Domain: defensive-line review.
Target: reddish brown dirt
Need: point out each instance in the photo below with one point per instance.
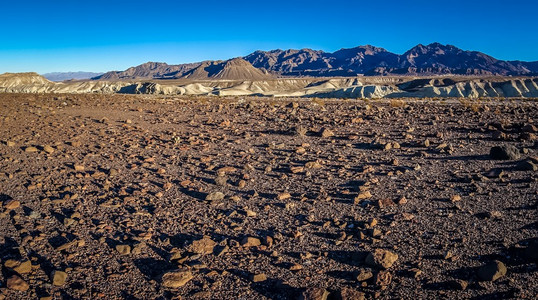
(136, 171)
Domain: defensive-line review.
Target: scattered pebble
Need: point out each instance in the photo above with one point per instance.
(176, 279)
(17, 283)
(123, 249)
(58, 278)
(215, 196)
(381, 258)
(30, 149)
(258, 277)
(203, 246)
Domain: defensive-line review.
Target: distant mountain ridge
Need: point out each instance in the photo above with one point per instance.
(421, 60)
(150, 70)
(61, 76)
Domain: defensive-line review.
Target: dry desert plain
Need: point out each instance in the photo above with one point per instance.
(197, 197)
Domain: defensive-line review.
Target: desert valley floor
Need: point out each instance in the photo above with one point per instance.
(153, 197)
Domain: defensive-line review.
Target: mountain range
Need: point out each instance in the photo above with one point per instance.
(421, 60)
(61, 76)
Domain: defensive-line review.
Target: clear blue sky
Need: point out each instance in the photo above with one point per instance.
(76, 35)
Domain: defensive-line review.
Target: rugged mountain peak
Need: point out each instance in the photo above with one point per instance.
(370, 48)
(232, 69)
(148, 66)
(437, 58)
(237, 62)
(360, 50)
(152, 64)
(433, 48)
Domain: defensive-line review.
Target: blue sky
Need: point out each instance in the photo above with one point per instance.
(58, 35)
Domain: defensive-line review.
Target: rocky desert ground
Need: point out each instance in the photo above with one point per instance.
(196, 197)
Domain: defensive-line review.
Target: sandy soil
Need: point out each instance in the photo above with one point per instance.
(126, 197)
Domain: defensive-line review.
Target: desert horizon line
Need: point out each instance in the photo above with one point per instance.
(168, 62)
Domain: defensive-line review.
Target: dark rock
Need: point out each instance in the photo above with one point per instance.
(458, 284)
(505, 152)
(492, 271)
